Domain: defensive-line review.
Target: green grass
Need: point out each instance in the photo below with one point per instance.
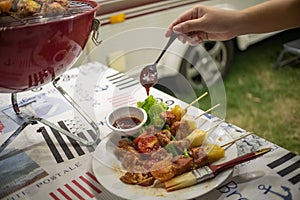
(261, 99)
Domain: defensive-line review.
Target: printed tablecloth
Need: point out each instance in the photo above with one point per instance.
(41, 163)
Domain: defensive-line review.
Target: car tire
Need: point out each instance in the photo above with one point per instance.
(222, 54)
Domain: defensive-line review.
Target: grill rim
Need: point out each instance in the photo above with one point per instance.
(47, 20)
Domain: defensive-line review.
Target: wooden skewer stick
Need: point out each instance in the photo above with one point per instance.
(237, 139)
(203, 95)
(208, 110)
(215, 126)
(204, 121)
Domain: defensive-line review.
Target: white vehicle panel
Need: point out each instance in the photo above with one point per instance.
(142, 14)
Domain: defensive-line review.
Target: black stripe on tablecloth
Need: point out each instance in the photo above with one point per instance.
(295, 179)
(89, 148)
(124, 83)
(281, 160)
(119, 78)
(289, 169)
(51, 145)
(74, 143)
(127, 86)
(63, 144)
(94, 136)
(113, 75)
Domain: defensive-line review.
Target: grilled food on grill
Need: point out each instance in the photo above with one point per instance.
(5, 5)
(24, 8)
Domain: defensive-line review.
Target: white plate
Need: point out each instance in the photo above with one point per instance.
(107, 168)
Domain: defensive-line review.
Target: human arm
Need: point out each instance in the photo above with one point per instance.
(203, 23)
(272, 15)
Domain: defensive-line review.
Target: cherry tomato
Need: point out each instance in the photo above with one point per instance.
(136, 140)
(148, 143)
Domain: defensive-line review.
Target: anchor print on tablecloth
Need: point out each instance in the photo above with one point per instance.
(286, 194)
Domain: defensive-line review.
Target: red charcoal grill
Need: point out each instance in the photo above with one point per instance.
(36, 50)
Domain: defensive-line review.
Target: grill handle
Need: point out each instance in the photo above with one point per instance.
(96, 35)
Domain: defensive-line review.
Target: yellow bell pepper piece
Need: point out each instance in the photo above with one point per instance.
(214, 152)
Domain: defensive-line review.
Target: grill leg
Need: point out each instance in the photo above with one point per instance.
(14, 101)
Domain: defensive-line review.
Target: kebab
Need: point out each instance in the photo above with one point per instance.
(208, 172)
(170, 170)
(158, 154)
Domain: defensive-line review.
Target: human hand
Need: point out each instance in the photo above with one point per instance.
(203, 23)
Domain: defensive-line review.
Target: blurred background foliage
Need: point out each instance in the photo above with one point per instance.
(261, 99)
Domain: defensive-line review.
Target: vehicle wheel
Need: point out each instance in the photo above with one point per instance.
(221, 53)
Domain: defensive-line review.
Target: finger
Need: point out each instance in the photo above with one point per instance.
(195, 40)
(187, 15)
(168, 32)
(189, 26)
(203, 36)
(182, 38)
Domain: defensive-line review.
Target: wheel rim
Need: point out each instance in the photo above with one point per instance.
(191, 71)
(218, 52)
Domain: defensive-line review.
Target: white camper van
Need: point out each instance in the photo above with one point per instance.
(133, 35)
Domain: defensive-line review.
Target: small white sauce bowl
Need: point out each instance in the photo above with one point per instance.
(126, 111)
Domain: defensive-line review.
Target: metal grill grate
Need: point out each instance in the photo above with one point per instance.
(75, 7)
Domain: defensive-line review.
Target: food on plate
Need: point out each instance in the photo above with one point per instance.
(153, 109)
(214, 152)
(24, 8)
(196, 137)
(178, 111)
(165, 150)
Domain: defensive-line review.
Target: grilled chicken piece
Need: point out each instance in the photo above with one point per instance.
(168, 117)
(143, 179)
(182, 164)
(181, 129)
(161, 154)
(200, 156)
(180, 145)
(164, 137)
(133, 163)
(163, 170)
(124, 147)
(128, 155)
